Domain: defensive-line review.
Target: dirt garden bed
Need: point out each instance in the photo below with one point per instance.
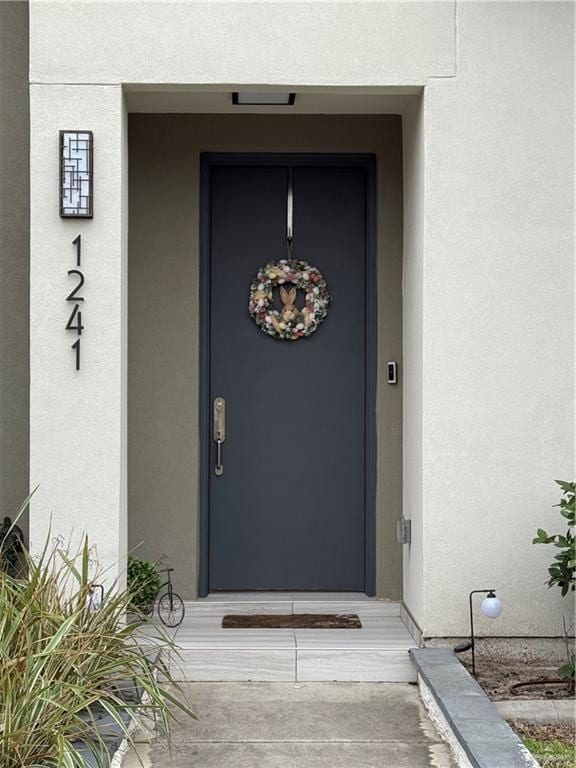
(497, 676)
(551, 744)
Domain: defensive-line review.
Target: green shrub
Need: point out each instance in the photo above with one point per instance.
(143, 583)
(563, 569)
(61, 660)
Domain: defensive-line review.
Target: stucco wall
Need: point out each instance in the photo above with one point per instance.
(14, 258)
(489, 233)
(355, 44)
(412, 309)
(498, 314)
(78, 418)
(163, 317)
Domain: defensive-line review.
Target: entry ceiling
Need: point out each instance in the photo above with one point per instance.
(338, 101)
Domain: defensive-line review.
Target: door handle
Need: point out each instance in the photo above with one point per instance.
(219, 432)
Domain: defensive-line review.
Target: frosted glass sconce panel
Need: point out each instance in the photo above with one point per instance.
(76, 174)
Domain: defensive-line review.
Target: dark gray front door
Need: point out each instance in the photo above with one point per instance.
(289, 511)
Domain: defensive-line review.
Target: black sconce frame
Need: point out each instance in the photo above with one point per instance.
(70, 177)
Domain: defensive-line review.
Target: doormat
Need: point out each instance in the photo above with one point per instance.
(292, 621)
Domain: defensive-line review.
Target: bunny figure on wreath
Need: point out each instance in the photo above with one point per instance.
(288, 298)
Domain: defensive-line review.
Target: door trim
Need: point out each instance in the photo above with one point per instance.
(209, 160)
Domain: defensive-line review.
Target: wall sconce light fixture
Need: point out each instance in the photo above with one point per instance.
(76, 174)
(492, 608)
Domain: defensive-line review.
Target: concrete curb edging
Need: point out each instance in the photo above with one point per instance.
(116, 742)
(538, 710)
(119, 755)
(442, 726)
(122, 749)
(141, 697)
(465, 716)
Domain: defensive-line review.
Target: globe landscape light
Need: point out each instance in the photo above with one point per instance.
(491, 606)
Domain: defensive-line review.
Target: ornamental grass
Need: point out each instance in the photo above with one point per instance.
(66, 663)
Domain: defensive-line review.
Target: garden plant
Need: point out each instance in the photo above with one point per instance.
(143, 584)
(552, 744)
(562, 570)
(67, 659)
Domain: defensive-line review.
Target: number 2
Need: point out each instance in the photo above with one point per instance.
(72, 295)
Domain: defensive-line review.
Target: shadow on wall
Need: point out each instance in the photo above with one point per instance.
(14, 260)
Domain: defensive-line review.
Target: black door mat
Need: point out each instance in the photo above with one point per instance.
(292, 621)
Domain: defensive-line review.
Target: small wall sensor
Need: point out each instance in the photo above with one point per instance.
(404, 531)
(392, 372)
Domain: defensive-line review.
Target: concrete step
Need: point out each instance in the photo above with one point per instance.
(262, 602)
(283, 665)
(376, 653)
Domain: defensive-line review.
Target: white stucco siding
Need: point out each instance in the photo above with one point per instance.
(498, 424)
(77, 418)
(355, 44)
(488, 269)
(412, 373)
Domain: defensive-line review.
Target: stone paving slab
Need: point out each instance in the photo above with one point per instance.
(301, 725)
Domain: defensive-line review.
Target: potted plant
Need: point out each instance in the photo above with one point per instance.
(143, 584)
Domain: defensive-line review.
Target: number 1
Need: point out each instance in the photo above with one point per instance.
(78, 243)
(76, 347)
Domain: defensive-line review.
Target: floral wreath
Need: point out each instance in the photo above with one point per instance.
(291, 322)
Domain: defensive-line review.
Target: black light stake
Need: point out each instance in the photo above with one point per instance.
(492, 608)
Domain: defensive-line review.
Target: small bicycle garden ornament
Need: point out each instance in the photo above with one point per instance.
(291, 322)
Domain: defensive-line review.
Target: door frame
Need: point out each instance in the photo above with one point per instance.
(209, 160)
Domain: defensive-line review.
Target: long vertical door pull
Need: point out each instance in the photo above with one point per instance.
(219, 432)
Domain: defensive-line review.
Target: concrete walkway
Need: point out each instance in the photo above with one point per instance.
(301, 725)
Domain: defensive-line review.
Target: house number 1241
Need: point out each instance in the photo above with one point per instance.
(74, 323)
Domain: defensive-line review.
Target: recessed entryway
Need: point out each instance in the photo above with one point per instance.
(166, 335)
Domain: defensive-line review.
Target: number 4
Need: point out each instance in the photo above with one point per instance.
(70, 325)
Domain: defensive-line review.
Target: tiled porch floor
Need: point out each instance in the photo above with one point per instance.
(376, 653)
